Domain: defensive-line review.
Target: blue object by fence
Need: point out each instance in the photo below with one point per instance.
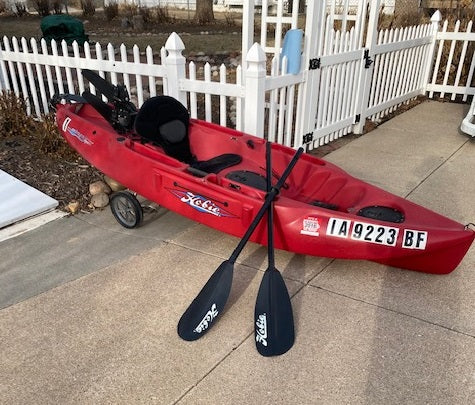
(292, 48)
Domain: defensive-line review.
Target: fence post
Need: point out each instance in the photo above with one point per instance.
(254, 80)
(247, 29)
(435, 20)
(309, 93)
(366, 69)
(247, 37)
(175, 67)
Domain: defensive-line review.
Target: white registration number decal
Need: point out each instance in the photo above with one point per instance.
(383, 235)
(373, 233)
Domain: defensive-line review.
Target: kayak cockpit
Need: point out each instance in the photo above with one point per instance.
(233, 160)
(163, 120)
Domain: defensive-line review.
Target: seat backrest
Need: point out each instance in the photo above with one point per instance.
(164, 120)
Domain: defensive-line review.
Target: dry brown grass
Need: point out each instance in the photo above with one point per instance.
(42, 134)
(13, 118)
(48, 139)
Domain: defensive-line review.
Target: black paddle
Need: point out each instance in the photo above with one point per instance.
(210, 301)
(273, 318)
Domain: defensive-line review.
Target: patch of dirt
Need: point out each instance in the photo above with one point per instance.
(221, 35)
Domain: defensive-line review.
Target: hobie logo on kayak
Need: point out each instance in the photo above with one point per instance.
(74, 132)
(65, 125)
(200, 203)
(207, 319)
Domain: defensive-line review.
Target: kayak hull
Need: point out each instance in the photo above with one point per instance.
(318, 212)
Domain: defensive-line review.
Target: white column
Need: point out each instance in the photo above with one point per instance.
(435, 20)
(364, 87)
(255, 77)
(175, 66)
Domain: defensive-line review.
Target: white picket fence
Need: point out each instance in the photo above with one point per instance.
(401, 62)
(38, 75)
(345, 79)
(38, 71)
(458, 59)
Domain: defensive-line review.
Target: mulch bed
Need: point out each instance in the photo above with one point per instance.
(65, 179)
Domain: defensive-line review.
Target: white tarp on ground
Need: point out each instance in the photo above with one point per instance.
(19, 201)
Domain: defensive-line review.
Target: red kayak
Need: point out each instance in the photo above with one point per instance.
(216, 176)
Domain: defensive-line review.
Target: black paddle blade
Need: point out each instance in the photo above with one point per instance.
(273, 317)
(208, 304)
(104, 87)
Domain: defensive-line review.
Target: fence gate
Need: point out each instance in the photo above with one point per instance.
(401, 60)
(335, 59)
(356, 72)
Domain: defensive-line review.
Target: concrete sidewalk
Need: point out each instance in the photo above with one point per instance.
(90, 309)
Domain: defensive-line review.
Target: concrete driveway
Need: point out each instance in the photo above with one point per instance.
(89, 310)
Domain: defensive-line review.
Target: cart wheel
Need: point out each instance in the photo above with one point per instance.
(126, 209)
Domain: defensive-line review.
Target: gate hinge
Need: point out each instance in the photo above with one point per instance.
(357, 118)
(368, 61)
(307, 138)
(314, 64)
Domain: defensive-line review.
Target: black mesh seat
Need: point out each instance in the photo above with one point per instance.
(165, 121)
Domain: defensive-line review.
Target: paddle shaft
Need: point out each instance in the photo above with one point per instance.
(270, 213)
(273, 317)
(269, 198)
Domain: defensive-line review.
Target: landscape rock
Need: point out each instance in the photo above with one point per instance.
(114, 185)
(99, 187)
(73, 207)
(100, 200)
